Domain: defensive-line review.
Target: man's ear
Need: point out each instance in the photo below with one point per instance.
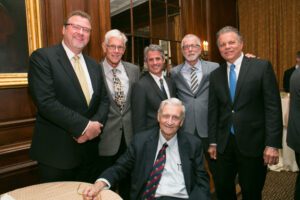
(104, 47)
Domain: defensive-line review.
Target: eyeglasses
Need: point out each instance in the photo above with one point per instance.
(77, 27)
(114, 47)
(192, 46)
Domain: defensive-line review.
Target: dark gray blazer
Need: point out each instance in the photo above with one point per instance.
(293, 132)
(139, 158)
(196, 105)
(117, 122)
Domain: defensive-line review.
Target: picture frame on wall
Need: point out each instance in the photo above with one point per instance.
(20, 35)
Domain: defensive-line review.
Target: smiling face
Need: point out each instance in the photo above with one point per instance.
(114, 50)
(76, 38)
(230, 46)
(170, 120)
(155, 62)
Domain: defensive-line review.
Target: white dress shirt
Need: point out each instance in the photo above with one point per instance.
(71, 55)
(172, 182)
(121, 74)
(157, 78)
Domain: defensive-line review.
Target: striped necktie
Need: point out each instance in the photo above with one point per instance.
(194, 80)
(155, 174)
(82, 79)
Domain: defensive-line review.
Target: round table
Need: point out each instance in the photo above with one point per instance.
(56, 191)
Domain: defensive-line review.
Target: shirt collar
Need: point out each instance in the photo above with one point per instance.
(163, 140)
(108, 68)
(188, 67)
(70, 53)
(155, 77)
(237, 62)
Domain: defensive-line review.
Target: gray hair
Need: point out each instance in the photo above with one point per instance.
(172, 101)
(115, 33)
(191, 36)
(77, 13)
(153, 47)
(228, 29)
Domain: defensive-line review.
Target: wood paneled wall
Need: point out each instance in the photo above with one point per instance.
(205, 17)
(17, 111)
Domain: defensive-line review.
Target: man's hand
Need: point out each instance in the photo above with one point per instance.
(212, 150)
(271, 156)
(92, 192)
(93, 129)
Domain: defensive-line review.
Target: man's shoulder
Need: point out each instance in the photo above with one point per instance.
(130, 65)
(176, 68)
(191, 138)
(145, 135)
(289, 70)
(210, 64)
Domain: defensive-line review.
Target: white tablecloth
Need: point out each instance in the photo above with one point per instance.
(287, 160)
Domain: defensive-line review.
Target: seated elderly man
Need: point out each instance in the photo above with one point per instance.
(164, 164)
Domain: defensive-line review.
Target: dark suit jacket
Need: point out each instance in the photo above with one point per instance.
(145, 100)
(62, 112)
(256, 110)
(293, 133)
(139, 158)
(286, 78)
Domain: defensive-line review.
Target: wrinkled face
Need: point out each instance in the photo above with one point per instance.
(191, 50)
(114, 51)
(76, 34)
(170, 120)
(230, 46)
(155, 62)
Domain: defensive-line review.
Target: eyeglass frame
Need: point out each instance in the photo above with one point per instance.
(193, 46)
(77, 27)
(114, 47)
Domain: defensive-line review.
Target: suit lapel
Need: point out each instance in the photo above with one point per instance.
(130, 76)
(242, 76)
(155, 86)
(68, 68)
(151, 148)
(111, 98)
(224, 80)
(184, 152)
(183, 81)
(204, 76)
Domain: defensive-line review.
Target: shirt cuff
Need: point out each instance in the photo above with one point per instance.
(105, 181)
(83, 132)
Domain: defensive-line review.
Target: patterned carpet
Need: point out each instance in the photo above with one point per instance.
(279, 186)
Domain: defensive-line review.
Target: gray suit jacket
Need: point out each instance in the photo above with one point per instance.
(196, 105)
(117, 122)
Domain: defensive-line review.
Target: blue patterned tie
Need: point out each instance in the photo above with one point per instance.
(155, 174)
(232, 86)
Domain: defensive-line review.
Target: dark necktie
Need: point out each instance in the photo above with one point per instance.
(155, 174)
(118, 89)
(162, 88)
(194, 80)
(232, 86)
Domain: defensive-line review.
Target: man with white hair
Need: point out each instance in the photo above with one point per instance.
(119, 77)
(164, 163)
